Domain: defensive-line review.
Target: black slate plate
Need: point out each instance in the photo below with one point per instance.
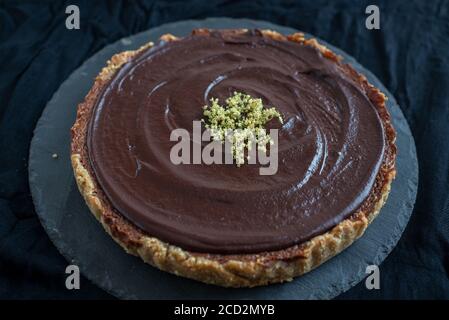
(81, 239)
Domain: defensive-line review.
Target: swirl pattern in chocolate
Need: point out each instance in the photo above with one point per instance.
(331, 144)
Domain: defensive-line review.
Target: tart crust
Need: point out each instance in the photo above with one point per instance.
(236, 270)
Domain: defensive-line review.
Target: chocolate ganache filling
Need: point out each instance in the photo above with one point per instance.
(331, 144)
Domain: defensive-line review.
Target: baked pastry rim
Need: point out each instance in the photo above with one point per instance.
(237, 270)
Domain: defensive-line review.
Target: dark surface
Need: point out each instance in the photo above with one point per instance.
(77, 235)
(409, 55)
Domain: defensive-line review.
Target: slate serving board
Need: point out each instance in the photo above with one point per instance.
(82, 240)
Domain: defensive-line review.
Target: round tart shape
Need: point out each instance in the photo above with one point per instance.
(221, 224)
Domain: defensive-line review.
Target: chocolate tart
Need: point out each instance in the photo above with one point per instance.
(221, 224)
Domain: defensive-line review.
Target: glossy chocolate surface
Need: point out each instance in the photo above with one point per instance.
(331, 144)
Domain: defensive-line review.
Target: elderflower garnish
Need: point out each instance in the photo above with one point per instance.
(241, 121)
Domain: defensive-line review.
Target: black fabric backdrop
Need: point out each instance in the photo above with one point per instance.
(409, 54)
